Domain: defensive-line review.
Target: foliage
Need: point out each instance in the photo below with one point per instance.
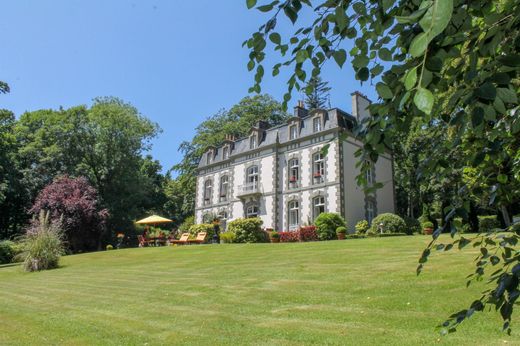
(203, 227)
(391, 223)
(109, 247)
(227, 237)
(308, 233)
(275, 235)
(75, 203)
(187, 223)
(427, 224)
(7, 251)
(317, 94)
(326, 225)
(248, 230)
(412, 225)
(42, 244)
(290, 236)
(487, 223)
(355, 236)
(362, 226)
(341, 229)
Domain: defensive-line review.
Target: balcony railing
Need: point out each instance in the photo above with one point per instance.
(249, 189)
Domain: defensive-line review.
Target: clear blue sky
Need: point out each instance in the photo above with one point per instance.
(177, 61)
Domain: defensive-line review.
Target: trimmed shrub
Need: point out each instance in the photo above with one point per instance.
(227, 237)
(412, 225)
(7, 251)
(275, 235)
(248, 230)
(187, 223)
(487, 223)
(308, 233)
(326, 225)
(42, 244)
(341, 229)
(289, 237)
(362, 226)
(109, 247)
(385, 235)
(202, 227)
(355, 236)
(391, 223)
(427, 224)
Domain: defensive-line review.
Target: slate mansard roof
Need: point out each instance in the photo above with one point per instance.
(334, 118)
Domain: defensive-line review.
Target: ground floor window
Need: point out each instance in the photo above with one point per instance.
(318, 206)
(371, 211)
(294, 214)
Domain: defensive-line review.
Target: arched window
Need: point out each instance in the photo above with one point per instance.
(224, 188)
(252, 178)
(318, 206)
(294, 173)
(316, 124)
(293, 132)
(318, 168)
(252, 141)
(225, 152)
(208, 191)
(252, 211)
(294, 214)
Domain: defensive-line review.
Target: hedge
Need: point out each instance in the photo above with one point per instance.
(326, 225)
(391, 223)
(248, 231)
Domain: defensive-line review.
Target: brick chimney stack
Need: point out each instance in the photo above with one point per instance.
(360, 105)
(300, 111)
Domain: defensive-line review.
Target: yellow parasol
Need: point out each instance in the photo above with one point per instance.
(152, 220)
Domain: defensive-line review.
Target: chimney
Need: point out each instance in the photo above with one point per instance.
(360, 105)
(262, 125)
(229, 138)
(300, 111)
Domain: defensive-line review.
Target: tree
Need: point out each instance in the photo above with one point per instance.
(74, 203)
(317, 94)
(451, 63)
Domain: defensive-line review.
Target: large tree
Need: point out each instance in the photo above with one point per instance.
(452, 63)
(317, 94)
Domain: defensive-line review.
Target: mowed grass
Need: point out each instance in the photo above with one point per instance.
(353, 292)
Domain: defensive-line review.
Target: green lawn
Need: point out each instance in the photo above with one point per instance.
(362, 292)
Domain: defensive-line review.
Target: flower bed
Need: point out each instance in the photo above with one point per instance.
(287, 237)
(305, 233)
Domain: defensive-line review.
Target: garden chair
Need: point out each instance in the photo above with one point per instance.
(201, 238)
(183, 240)
(142, 241)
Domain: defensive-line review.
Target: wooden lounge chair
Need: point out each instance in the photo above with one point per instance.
(201, 238)
(183, 240)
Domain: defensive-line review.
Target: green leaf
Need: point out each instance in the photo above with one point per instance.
(502, 178)
(384, 91)
(424, 100)
(507, 95)
(376, 70)
(291, 14)
(410, 78)
(250, 65)
(275, 38)
(340, 56)
(250, 4)
(419, 45)
(414, 17)
(341, 18)
(360, 61)
(301, 56)
(477, 116)
(512, 60)
(385, 54)
(437, 18)
(487, 91)
(265, 8)
(362, 74)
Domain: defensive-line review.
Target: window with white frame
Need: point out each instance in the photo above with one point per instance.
(294, 172)
(316, 124)
(294, 214)
(293, 132)
(369, 174)
(252, 141)
(225, 152)
(224, 188)
(208, 190)
(318, 206)
(371, 211)
(252, 177)
(209, 157)
(318, 168)
(252, 211)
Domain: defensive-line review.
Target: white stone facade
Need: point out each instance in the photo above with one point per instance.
(282, 175)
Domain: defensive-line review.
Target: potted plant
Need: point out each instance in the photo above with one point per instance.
(275, 237)
(341, 232)
(292, 179)
(427, 227)
(317, 175)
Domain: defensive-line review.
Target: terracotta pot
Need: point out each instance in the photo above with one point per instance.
(275, 240)
(428, 230)
(341, 236)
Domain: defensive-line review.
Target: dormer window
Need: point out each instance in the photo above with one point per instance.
(253, 141)
(225, 152)
(293, 132)
(316, 124)
(209, 157)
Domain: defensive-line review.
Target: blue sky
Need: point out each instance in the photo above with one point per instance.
(177, 61)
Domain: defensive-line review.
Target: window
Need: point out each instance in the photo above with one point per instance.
(208, 190)
(318, 206)
(369, 174)
(225, 153)
(209, 157)
(224, 188)
(293, 132)
(252, 141)
(371, 211)
(252, 177)
(318, 168)
(316, 124)
(252, 211)
(294, 172)
(294, 214)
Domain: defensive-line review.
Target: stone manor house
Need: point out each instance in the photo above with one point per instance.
(281, 175)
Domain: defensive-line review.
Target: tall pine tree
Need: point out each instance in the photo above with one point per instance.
(317, 94)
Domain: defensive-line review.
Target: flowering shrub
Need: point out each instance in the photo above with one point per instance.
(248, 231)
(362, 227)
(287, 237)
(308, 233)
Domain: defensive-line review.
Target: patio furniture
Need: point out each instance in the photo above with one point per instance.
(183, 240)
(201, 238)
(142, 241)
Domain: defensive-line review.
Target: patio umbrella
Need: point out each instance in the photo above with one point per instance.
(153, 220)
